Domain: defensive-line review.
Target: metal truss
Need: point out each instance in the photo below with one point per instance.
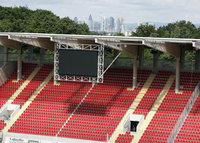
(75, 46)
(72, 46)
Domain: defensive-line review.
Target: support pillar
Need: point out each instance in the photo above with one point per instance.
(19, 64)
(182, 58)
(141, 59)
(155, 61)
(135, 71)
(5, 60)
(197, 60)
(31, 53)
(177, 87)
(55, 82)
(41, 57)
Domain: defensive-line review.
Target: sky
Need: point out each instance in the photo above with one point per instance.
(132, 11)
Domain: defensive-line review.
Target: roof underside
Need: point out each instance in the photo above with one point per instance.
(128, 44)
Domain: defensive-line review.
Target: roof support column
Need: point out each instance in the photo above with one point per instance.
(19, 64)
(141, 59)
(155, 61)
(182, 58)
(42, 51)
(197, 60)
(177, 88)
(135, 59)
(5, 59)
(31, 53)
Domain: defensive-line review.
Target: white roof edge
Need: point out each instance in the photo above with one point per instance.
(93, 37)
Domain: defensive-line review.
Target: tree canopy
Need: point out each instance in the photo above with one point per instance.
(179, 29)
(22, 19)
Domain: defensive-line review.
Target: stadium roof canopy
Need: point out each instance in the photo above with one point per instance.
(131, 45)
(121, 43)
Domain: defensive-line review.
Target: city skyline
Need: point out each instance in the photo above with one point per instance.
(112, 24)
(136, 10)
(107, 24)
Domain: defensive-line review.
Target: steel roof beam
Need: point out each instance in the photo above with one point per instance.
(73, 42)
(170, 48)
(118, 45)
(34, 41)
(115, 45)
(4, 41)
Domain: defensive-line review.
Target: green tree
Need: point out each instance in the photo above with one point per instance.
(119, 34)
(180, 29)
(145, 30)
(22, 19)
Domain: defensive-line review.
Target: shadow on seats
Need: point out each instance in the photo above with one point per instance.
(69, 100)
(89, 109)
(98, 109)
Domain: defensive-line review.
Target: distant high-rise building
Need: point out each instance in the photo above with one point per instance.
(107, 24)
(139, 22)
(97, 26)
(103, 24)
(119, 24)
(111, 24)
(128, 33)
(90, 23)
(76, 19)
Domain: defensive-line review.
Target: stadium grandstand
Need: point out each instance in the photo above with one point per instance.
(78, 95)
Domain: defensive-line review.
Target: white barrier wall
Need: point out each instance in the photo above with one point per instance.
(28, 138)
(133, 117)
(127, 124)
(139, 118)
(9, 111)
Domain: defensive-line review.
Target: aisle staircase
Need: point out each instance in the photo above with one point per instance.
(153, 110)
(21, 88)
(119, 129)
(29, 101)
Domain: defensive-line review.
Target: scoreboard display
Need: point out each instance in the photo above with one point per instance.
(78, 62)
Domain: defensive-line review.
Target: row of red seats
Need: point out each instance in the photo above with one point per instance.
(51, 108)
(190, 130)
(10, 86)
(124, 138)
(33, 85)
(101, 111)
(171, 108)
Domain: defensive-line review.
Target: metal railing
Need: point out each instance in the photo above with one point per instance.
(184, 115)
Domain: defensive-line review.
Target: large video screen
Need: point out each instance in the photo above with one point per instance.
(78, 62)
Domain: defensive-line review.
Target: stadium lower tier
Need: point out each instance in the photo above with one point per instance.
(11, 85)
(57, 109)
(68, 110)
(190, 130)
(170, 110)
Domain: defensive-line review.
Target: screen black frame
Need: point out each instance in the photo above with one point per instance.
(77, 62)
